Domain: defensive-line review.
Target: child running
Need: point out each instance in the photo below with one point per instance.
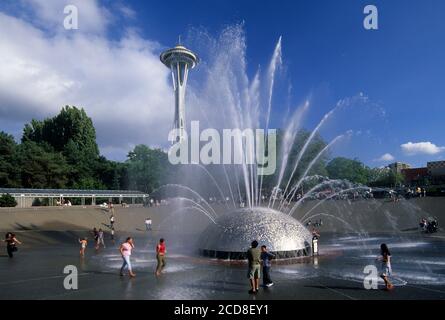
(386, 265)
(83, 245)
(125, 250)
(11, 244)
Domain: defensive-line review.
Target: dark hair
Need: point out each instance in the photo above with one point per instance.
(8, 234)
(161, 240)
(128, 239)
(254, 244)
(263, 246)
(384, 250)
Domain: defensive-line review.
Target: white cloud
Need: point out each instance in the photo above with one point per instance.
(385, 158)
(49, 14)
(121, 83)
(414, 148)
(126, 11)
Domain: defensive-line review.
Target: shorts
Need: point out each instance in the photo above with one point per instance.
(254, 272)
(386, 270)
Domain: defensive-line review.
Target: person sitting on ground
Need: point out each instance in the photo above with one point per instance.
(254, 274)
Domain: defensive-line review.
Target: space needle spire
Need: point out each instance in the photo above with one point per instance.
(179, 60)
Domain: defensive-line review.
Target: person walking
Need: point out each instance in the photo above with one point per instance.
(112, 221)
(11, 244)
(266, 257)
(96, 238)
(148, 224)
(385, 258)
(125, 250)
(254, 260)
(100, 240)
(160, 256)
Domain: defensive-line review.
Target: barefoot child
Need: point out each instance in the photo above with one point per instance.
(11, 244)
(83, 244)
(386, 265)
(160, 256)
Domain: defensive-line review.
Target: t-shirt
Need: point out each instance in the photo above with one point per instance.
(254, 256)
(266, 257)
(126, 249)
(161, 249)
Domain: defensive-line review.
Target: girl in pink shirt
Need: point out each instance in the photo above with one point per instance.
(125, 250)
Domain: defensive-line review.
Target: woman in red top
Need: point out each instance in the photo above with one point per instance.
(160, 256)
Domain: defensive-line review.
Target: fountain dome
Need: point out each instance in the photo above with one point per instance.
(231, 235)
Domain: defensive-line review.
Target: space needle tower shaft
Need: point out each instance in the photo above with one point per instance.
(179, 60)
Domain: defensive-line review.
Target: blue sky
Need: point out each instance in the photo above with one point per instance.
(327, 53)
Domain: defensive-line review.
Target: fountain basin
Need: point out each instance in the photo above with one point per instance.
(230, 237)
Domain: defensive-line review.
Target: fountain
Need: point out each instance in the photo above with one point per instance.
(226, 97)
(233, 231)
(246, 104)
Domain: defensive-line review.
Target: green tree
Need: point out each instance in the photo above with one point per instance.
(110, 173)
(349, 169)
(71, 124)
(71, 133)
(385, 177)
(147, 168)
(9, 172)
(41, 167)
(6, 200)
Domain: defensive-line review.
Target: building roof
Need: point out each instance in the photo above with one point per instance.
(71, 192)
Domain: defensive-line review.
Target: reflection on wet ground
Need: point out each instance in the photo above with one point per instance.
(338, 273)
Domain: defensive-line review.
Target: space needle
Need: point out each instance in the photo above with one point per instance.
(179, 60)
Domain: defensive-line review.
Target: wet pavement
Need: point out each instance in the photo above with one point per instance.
(338, 273)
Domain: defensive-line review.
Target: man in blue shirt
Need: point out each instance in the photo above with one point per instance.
(266, 257)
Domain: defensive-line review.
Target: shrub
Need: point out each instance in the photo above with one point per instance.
(6, 200)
